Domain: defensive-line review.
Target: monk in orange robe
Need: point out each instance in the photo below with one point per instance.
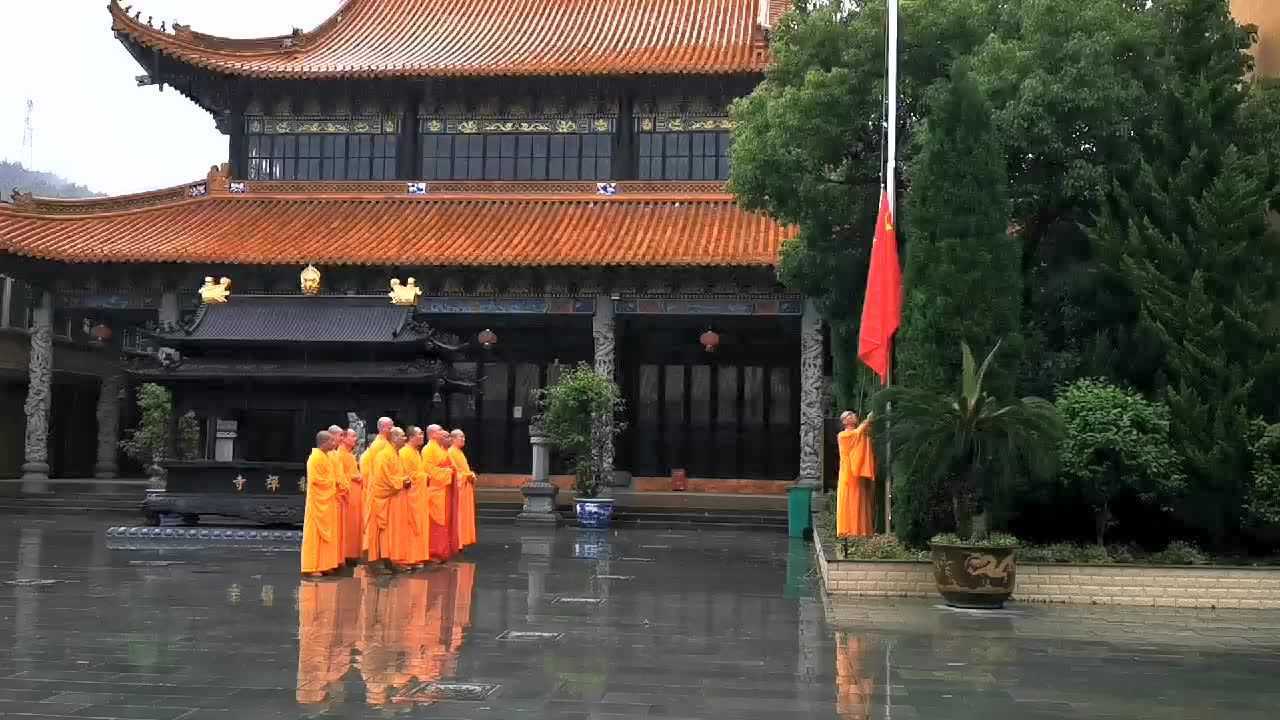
(435, 459)
(857, 478)
(466, 480)
(417, 531)
(321, 528)
(387, 480)
(351, 507)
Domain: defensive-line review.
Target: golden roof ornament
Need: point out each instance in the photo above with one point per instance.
(310, 280)
(406, 294)
(212, 293)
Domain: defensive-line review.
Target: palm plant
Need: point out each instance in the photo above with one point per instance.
(972, 443)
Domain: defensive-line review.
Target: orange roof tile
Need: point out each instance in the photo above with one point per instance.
(467, 224)
(415, 38)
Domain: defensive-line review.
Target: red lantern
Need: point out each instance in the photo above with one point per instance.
(710, 340)
(101, 333)
(487, 338)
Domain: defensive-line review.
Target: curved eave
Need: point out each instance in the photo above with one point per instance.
(251, 58)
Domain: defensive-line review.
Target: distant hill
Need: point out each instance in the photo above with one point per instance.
(40, 184)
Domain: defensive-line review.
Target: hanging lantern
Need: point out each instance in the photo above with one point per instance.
(100, 333)
(487, 338)
(710, 340)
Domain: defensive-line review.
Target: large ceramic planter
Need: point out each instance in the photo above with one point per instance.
(594, 512)
(973, 576)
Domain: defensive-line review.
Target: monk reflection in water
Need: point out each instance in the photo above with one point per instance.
(853, 684)
(390, 633)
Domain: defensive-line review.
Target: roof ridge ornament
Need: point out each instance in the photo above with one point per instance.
(212, 293)
(310, 280)
(404, 295)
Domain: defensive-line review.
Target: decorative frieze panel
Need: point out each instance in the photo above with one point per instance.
(360, 125)
(710, 306)
(506, 306)
(666, 124)
(509, 125)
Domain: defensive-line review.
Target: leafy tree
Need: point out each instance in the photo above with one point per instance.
(963, 281)
(1116, 442)
(579, 414)
(1263, 502)
(971, 443)
(150, 443)
(1187, 239)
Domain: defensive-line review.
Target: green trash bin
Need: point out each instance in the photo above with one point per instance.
(799, 498)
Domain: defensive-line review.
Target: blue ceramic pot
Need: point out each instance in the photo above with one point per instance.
(594, 512)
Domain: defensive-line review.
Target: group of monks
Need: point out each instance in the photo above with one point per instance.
(407, 502)
(856, 487)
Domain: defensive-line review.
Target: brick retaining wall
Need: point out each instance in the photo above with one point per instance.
(1134, 585)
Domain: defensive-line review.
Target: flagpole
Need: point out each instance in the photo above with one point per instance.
(891, 173)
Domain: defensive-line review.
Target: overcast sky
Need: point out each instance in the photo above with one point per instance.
(93, 124)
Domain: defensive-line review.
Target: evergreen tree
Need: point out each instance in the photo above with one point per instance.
(1187, 238)
(963, 281)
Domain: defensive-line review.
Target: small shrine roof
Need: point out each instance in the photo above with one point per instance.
(300, 318)
(440, 38)
(215, 221)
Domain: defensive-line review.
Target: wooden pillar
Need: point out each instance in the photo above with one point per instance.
(604, 338)
(810, 395)
(237, 153)
(35, 469)
(108, 424)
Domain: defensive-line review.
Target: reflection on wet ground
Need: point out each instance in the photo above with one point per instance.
(638, 623)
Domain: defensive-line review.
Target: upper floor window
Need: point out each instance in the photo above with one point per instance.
(682, 148)
(554, 150)
(351, 149)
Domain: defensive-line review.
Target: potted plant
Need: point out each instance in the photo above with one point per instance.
(973, 444)
(579, 415)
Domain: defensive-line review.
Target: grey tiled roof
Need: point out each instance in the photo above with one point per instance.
(297, 318)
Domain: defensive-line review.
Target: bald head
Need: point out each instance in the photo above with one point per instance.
(396, 436)
(434, 432)
(349, 439)
(384, 426)
(324, 440)
(459, 438)
(335, 430)
(413, 436)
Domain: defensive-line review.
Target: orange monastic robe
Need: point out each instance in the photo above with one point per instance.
(317, 637)
(857, 475)
(439, 469)
(385, 483)
(321, 526)
(416, 498)
(351, 504)
(466, 497)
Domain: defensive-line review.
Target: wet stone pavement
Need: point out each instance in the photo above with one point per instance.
(640, 623)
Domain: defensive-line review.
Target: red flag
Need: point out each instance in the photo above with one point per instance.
(882, 308)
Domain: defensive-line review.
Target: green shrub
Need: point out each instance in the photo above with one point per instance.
(990, 540)
(1116, 442)
(1179, 552)
(580, 414)
(877, 547)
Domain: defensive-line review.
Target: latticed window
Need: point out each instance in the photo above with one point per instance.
(560, 148)
(683, 155)
(321, 149)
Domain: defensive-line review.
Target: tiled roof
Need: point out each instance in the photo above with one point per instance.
(451, 224)
(292, 318)
(432, 38)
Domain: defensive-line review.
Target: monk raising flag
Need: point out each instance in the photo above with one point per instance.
(882, 308)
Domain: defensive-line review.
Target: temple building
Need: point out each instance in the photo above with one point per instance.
(427, 209)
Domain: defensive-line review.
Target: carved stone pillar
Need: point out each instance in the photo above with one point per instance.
(604, 337)
(35, 470)
(810, 396)
(539, 493)
(108, 424)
